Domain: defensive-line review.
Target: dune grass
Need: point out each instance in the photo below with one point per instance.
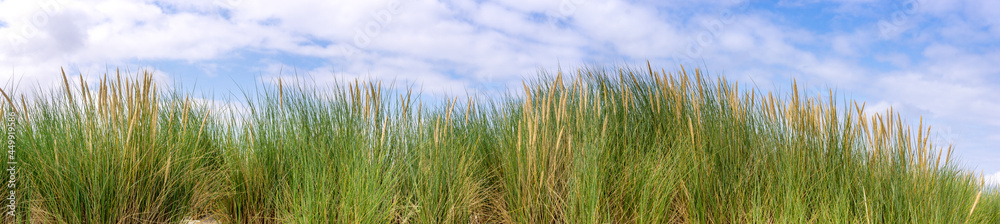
(598, 145)
(120, 153)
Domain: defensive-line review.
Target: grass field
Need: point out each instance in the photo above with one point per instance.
(595, 145)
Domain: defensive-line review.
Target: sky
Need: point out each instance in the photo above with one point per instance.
(930, 59)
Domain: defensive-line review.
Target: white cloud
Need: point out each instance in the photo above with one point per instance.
(941, 97)
(993, 180)
(896, 59)
(628, 29)
(79, 35)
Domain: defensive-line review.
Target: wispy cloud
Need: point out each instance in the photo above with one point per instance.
(993, 180)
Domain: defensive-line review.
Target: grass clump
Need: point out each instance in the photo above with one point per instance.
(307, 158)
(116, 154)
(600, 145)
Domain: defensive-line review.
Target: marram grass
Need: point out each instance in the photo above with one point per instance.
(120, 153)
(598, 145)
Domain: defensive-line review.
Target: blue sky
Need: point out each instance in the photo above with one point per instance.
(925, 58)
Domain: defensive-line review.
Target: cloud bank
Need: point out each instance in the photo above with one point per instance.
(934, 59)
